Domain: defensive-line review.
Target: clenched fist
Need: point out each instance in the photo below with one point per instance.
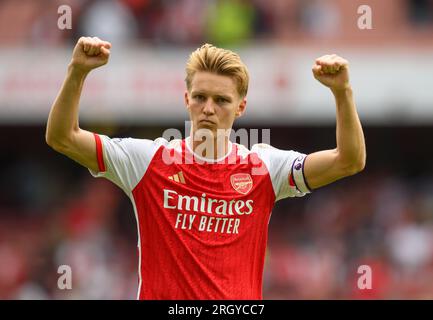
(332, 71)
(90, 53)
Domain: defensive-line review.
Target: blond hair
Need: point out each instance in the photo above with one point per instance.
(219, 61)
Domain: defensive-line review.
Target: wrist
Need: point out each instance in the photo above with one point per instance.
(77, 71)
(342, 91)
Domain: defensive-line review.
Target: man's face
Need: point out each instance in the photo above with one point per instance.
(213, 101)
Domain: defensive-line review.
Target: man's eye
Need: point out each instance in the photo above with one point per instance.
(221, 100)
(199, 97)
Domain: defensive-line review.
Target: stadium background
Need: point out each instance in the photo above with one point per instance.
(52, 212)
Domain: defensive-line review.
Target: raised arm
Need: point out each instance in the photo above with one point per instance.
(63, 133)
(348, 158)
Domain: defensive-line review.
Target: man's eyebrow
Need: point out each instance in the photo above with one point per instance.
(224, 96)
(227, 97)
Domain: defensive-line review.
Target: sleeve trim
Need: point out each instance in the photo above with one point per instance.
(292, 177)
(298, 175)
(99, 153)
(303, 175)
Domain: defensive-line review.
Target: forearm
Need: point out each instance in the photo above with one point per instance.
(63, 117)
(350, 137)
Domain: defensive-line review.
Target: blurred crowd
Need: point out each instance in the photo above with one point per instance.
(377, 220)
(53, 213)
(222, 22)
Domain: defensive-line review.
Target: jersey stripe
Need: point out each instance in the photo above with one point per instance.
(99, 154)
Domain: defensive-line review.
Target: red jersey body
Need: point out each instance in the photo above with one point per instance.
(202, 224)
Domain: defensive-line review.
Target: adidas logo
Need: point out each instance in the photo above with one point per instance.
(178, 177)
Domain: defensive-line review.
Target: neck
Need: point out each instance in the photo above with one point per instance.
(211, 146)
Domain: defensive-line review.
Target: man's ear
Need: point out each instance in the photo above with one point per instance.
(241, 107)
(186, 99)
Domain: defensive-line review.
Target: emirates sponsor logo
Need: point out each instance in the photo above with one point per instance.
(204, 204)
(218, 209)
(223, 216)
(241, 182)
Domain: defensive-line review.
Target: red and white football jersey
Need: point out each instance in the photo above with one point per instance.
(202, 224)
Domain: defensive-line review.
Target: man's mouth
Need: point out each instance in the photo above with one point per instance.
(206, 121)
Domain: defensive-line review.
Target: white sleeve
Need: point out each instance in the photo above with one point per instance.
(286, 169)
(124, 161)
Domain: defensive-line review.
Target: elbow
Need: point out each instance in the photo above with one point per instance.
(55, 143)
(349, 166)
(362, 161)
(50, 141)
(49, 137)
(356, 167)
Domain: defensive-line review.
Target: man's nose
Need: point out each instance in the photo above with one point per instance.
(209, 107)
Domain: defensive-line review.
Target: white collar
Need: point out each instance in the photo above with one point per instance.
(187, 143)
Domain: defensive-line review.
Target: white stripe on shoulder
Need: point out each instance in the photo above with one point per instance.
(173, 144)
(242, 151)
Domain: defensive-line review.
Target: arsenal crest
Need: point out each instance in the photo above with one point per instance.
(241, 182)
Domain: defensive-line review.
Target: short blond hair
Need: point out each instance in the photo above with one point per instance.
(219, 61)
